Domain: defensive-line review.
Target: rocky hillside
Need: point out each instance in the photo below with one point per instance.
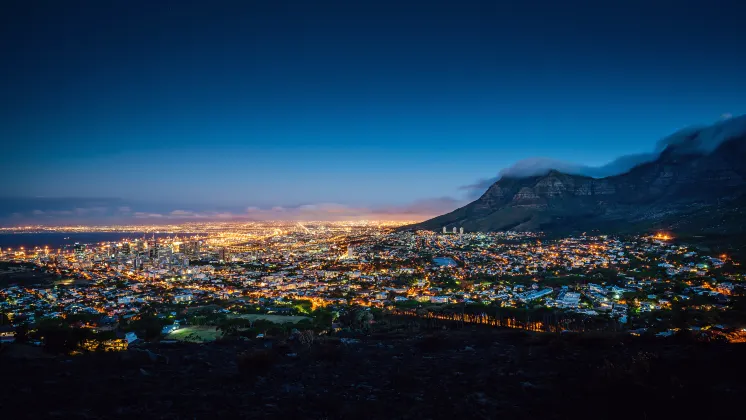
(463, 373)
(686, 188)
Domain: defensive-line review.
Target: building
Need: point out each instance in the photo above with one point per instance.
(445, 230)
(130, 337)
(454, 230)
(153, 250)
(186, 297)
(569, 299)
(537, 294)
(7, 334)
(79, 249)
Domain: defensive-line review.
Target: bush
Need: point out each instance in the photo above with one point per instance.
(255, 361)
(329, 351)
(431, 343)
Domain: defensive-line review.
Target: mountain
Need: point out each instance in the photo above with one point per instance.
(693, 185)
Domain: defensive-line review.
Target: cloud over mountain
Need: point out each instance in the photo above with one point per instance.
(693, 139)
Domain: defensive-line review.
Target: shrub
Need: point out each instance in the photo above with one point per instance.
(329, 351)
(431, 343)
(255, 361)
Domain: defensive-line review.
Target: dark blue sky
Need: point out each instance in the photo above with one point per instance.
(217, 106)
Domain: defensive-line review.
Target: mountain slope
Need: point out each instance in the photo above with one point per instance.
(685, 186)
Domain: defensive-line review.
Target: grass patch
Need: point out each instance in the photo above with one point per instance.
(277, 319)
(195, 334)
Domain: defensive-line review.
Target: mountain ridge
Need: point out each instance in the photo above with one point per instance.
(683, 182)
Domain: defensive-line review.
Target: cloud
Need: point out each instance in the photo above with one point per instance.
(425, 207)
(703, 139)
(73, 212)
(182, 213)
(537, 166)
(417, 210)
(144, 215)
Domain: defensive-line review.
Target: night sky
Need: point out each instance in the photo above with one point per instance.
(338, 109)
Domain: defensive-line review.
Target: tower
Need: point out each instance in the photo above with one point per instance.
(79, 249)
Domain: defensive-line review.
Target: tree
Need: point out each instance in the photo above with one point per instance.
(263, 325)
(357, 318)
(149, 326)
(323, 318)
(61, 338)
(22, 333)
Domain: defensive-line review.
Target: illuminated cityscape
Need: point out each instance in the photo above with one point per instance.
(631, 284)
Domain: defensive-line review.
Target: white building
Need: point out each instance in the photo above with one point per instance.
(186, 297)
(569, 299)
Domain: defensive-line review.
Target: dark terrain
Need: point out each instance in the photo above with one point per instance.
(23, 274)
(465, 373)
(685, 190)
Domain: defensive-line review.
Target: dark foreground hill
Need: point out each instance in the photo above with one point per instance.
(688, 188)
(466, 373)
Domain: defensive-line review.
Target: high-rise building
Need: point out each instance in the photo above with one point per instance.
(445, 230)
(454, 230)
(461, 230)
(350, 251)
(153, 247)
(79, 249)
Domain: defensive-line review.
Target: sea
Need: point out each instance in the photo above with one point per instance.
(58, 240)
